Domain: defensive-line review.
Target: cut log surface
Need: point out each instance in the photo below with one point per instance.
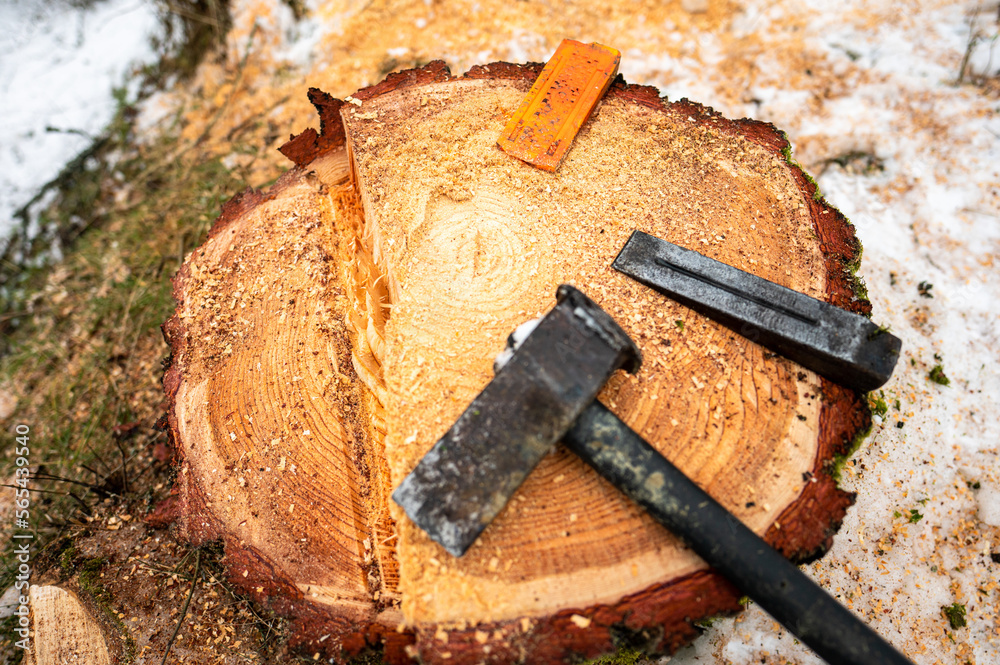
(332, 328)
(63, 631)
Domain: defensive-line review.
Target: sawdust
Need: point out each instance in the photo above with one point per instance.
(475, 242)
(254, 94)
(266, 408)
(795, 64)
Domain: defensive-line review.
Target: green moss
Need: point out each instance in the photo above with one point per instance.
(860, 291)
(937, 375)
(90, 583)
(955, 613)
(852, 267)
(66, 560)
(881, 330)
(90, 573)
(624, 656)
(878, 404)
(836, 465)
(786, 152)
(857, 283)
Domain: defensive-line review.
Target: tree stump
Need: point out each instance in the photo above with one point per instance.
(332, 327)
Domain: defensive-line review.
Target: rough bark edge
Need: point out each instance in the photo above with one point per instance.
(635, 620)
(307, 146)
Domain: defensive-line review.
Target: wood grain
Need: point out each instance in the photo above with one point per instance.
(63, 631)
(334, 326)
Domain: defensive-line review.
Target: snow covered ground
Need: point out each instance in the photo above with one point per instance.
(59, 64)
(919, 176)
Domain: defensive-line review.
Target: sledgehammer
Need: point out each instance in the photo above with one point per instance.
(546, 391)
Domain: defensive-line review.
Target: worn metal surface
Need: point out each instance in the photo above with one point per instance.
(780, 588)
(472, 471)
(545, 391)
(840, 345)
(563, 96)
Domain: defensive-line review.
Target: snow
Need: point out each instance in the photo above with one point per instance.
(58, 67)
(9, 602)
(931, 215)
(988, 498)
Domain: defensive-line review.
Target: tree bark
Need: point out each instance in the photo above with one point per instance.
(333, 326)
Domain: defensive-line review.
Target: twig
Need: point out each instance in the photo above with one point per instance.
(981, 212)
(121, 450)
(82, 503)
(60, 479)
(214, 6)
(194, 16)
(14, 315)
(33, 489)
(183, 560)
(122, 465)
(145, 565)
(180, 620)
(970, 46)
(97, 475)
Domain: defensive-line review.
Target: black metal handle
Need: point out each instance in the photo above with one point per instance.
(774, 583)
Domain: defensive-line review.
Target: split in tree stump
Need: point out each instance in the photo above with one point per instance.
(333, 327)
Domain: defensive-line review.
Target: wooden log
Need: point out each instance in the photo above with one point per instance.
(332, 327)
(63, 631)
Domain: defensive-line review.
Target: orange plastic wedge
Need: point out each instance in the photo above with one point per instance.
(542, 130)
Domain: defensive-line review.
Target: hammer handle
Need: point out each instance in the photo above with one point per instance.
(774, 583)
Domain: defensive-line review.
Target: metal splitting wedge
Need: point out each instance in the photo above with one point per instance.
(840, 345)
(546, 391)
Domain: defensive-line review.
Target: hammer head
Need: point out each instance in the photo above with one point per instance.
(472, 471)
